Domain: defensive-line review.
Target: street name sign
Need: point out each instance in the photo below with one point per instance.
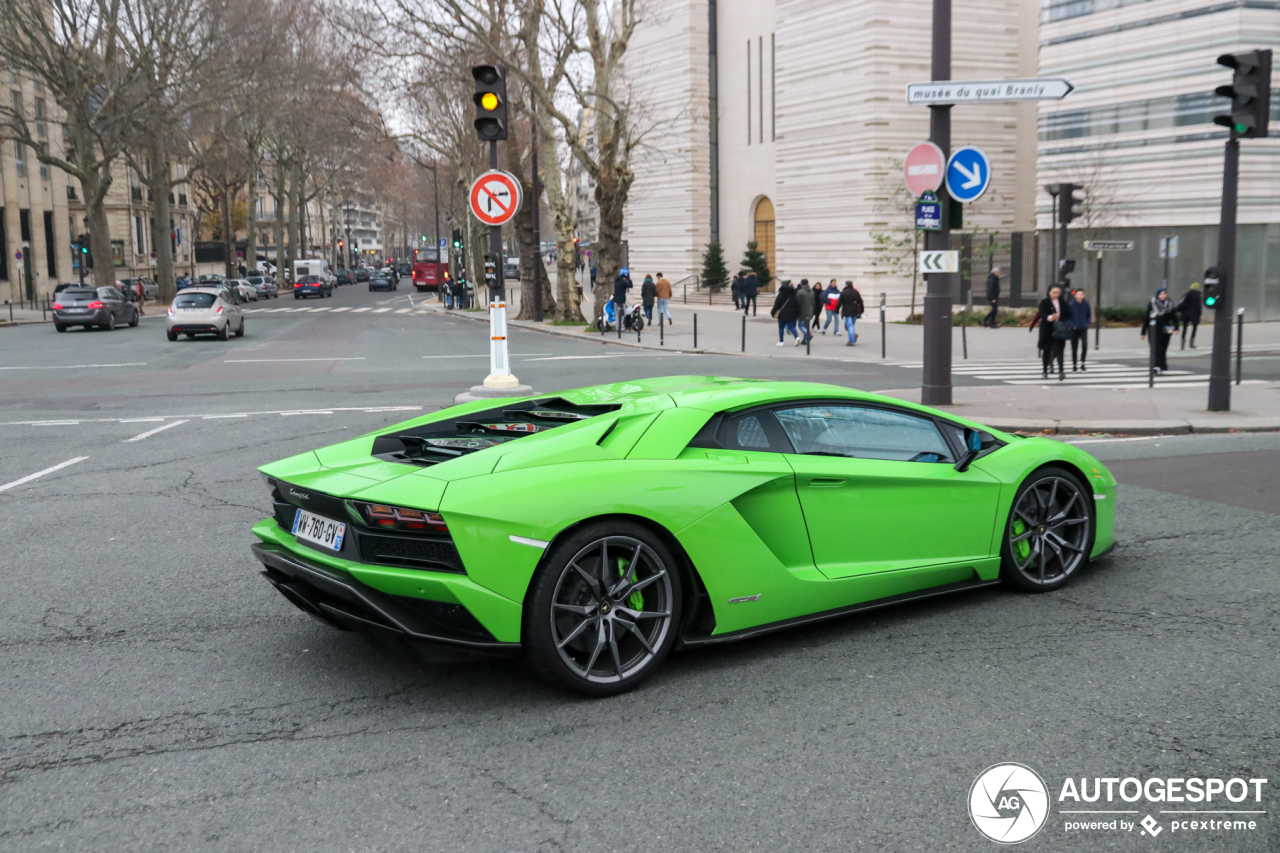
(495, 197)
(968, 174)
(987, 91)
(928, 213)
(1168, 247)
(1108, 245)
(941, 261)
(923, 168)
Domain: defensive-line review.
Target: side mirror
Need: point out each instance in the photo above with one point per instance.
(973, 446)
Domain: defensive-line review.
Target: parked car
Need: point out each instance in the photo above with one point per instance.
(244, 291)
(383, 280)
(266, 287)
(143, 288)
(204, 310)
(93, 306)
(312, 285)
(343, 276)
(184, 281)
(362, 274)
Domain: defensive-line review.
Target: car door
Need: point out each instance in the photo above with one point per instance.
(112, 301)
(880, 491)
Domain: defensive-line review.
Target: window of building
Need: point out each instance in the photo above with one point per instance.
(16, 96)
(763, 231)
(20, 159)
(1195, 108)
(139, 236)
(42, 129)
(37, 83)
(748, 91)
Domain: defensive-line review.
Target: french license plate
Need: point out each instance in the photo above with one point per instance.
(319, 530)
(76, 310)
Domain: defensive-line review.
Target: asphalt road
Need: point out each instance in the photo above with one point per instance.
(157, 694)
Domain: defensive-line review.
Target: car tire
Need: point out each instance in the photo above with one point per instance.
(110, 325)
(225, 331)
(1049, 532)
(240, 331)
(603, 610)
(296, 296)
(59, 327)
(133, 322)
(172, 336)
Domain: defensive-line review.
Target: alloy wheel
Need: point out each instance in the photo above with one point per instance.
(1048, 531)
(611, 609)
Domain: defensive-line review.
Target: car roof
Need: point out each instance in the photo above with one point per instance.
(203, 289)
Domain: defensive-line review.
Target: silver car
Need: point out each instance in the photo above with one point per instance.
(266, 287)
(204, 311)
(244, 291)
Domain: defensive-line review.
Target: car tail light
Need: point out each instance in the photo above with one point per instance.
(297, 284)
(219, 311)
(170, 310)
(57, 306)
(94, 305)
(400, 518)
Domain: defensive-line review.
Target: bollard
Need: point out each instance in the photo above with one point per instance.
(695, 331)
(662, 342)
(807, 337)
(10, 304)
(744, 332)
(1239, 344)
(618, 314)
(638, 329)
(882, 326)
(686, 294)
(964, 325)
(1151, 351)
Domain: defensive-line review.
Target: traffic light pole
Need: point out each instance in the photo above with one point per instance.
(499, 358)
(1220, 364)
(935, 388)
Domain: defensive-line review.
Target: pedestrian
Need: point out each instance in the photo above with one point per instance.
(621, 285)
(1079, 315)
(735, 290)
(785, 310)
(1189, 309)
(818, 304)
(750, 289)
(648, 293)
(831, 302)
(851, 308)
(662, 289)
(1161, 310)
(993, 297)
(1054, 332)
(805, 305)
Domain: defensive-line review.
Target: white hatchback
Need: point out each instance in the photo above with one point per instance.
(204, 311)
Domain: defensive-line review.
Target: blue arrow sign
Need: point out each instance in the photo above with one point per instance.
(968, 174)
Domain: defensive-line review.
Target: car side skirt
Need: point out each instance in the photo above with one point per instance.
(876, 604)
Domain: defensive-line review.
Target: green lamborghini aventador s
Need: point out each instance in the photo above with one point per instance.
(595, 530)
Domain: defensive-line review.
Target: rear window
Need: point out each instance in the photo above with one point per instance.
(79, 294)
(311, 279)
(194, 300)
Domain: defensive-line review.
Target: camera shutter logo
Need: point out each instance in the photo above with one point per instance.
(1008, 803)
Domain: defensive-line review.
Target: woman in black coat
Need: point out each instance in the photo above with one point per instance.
(786, 311)
(1052, 313)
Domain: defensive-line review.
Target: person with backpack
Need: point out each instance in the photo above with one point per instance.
(804, 310)
(648, 293)
(851, 308)
(785, 311)
(750, 288)
(831, 302)
(1189, 309)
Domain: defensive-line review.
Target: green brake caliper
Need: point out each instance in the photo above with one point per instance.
(1021, 549)
(636, 599)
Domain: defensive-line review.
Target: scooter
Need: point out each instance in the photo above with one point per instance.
(632, 319)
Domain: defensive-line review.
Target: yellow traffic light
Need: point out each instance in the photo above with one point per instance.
(489, 101)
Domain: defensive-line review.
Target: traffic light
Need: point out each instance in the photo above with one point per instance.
(86, 257)
(1212, 287)
(1066, 266)
(1250, 93)
(1068, 203)
(491, 102)
(457, 239)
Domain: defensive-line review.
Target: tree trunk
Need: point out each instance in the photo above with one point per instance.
(296, 249)
(251, 217)
(161, 241)
(228, 234)
(277, 228)
(95, 193)
(608, 247)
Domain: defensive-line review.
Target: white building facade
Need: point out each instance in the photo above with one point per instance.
(780, 121)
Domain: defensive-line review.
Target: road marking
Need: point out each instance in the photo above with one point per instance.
(221, 417)
(51, 423)
(139, 420)
(619, 355)
(307, 412)
(336, 310)
(358, 310)
(152, 432)
(74, 366)
(227, 415)
(381, 310)
(272, 360)
(1110, 440)
(403, 310)
(486, 355)
(30, 477)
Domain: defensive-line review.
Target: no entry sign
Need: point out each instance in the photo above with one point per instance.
(495, 197)
(924, 168)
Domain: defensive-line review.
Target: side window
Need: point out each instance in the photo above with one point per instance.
(863, 433)
(752, 431)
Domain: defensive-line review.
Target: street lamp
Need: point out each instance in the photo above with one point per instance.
(346, 210)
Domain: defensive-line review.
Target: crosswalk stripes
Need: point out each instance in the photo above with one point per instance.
(307, 309)
(1100, 375)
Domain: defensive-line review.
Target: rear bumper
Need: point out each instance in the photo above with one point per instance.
(437, 631)
(96, 317)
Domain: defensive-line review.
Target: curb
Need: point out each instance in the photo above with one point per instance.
(1120, 428)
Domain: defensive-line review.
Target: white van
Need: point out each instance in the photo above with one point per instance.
(314, 266)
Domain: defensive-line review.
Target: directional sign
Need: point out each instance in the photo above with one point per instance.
(943, 261)
(923, 168)
(495, 197)
(1108, 245)
(987, 91)
(968, 174)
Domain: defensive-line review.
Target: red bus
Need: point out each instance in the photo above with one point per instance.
(428, 272)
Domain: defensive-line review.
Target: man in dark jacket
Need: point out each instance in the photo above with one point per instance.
(993, 296)
(784, 309)
(648, 292)
(1189, 309)
(735, 290)
(851, 309)
(750, 288)
(621, 285)
(804, 309)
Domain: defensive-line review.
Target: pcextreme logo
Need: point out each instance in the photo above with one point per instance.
(1009, 803)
